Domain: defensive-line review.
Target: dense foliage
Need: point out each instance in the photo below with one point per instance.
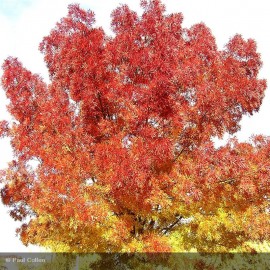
(116, 152)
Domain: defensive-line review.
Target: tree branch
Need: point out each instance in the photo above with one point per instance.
(101, 105)
(170, 227)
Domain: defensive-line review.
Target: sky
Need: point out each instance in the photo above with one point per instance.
(23, 24)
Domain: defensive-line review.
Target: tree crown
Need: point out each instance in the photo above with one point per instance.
(122, 136)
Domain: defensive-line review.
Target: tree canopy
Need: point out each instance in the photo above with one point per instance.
(116, 152)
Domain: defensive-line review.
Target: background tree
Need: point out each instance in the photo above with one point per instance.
(116, 151)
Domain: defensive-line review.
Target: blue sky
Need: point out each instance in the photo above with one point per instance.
(23, 24)
(13, 8)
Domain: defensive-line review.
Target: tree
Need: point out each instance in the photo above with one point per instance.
(116, 152)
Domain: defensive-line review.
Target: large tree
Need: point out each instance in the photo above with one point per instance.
(116, 152)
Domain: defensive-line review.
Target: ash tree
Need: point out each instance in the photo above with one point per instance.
(121, 138)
